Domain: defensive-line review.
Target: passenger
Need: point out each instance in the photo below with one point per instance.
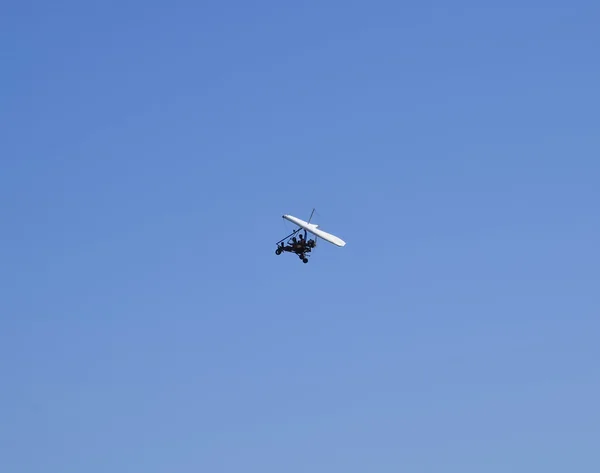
(302, 242)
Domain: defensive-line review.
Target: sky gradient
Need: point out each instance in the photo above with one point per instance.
(148, 153)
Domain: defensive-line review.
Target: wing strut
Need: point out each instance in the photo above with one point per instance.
(290, 235)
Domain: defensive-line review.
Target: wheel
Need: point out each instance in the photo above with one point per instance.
(278, 251)
(305, 260)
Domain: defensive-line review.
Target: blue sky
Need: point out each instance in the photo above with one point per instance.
(148, 152)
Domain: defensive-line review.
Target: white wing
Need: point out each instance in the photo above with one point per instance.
(312, 228)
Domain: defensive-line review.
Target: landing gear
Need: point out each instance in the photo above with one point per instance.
(303, 257)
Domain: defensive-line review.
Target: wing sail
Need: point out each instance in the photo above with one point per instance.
(312, 228)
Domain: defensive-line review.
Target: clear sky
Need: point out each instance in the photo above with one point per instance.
(148, 153)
